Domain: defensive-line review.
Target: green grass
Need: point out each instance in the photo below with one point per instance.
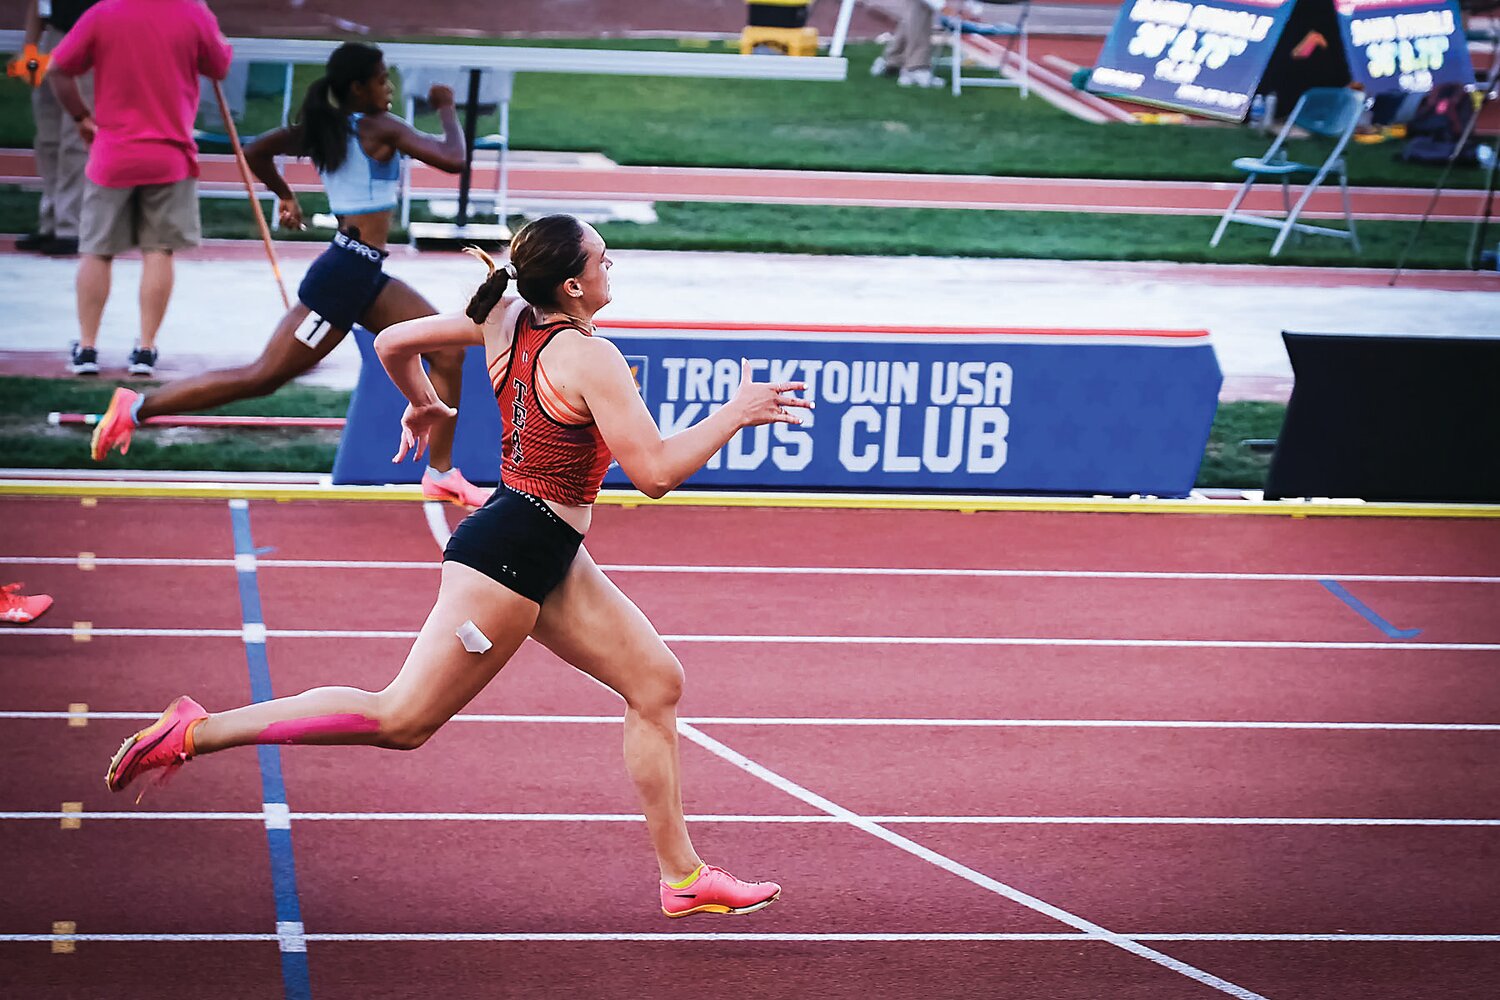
(1043, 235)
(819, 229)
(26, 441)
(1227, 463)
(859, 124)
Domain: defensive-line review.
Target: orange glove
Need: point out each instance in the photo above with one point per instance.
(30, 65)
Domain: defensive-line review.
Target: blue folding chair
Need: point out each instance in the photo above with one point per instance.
(1013, 32)
(1330, 112)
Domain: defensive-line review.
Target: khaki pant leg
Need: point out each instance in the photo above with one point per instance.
(49, 116)
(917, 28)
(61, 154)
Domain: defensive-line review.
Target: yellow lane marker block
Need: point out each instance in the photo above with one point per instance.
(63, 927)
(83, 631)
(86, 560)
(78, 714)
(88, 502)
(71, 822)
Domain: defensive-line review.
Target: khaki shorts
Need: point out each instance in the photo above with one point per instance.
(151, 217)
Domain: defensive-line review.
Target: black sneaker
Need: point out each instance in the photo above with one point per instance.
(33, 241)
(85, 360)
(142, 361)
(60, 246)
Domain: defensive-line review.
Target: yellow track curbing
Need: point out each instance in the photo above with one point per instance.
(288, 492)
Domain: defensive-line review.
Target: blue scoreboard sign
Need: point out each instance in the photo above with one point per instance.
(1404, 46)
(1206, 58)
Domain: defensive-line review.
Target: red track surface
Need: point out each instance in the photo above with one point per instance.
(420, 877)
(836, 187)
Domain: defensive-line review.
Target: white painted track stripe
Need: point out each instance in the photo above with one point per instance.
(899, 571)
(437, 523)
(839, 640)
(833, 938)
(962, 871)
(811, 818)
(730, 720)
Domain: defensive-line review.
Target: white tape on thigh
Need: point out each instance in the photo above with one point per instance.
(473, 639)
(312, 330)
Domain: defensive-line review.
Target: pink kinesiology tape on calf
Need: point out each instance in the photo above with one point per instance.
(313, 730)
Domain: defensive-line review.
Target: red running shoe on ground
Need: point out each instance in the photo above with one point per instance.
(116, 426)
(166, 743)
(454, 488)
(18, 608)
(713, 890)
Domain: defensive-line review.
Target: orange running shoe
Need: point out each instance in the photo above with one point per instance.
(166, 743)
(454, 488)
(713, 890)
(116, 426)
(19, 608)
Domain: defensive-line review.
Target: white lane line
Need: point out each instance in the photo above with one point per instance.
(437, 523)
(281, 819)
(828, 938)
(841, 640)
(439, 526)
(730, 720)
(1031, 902)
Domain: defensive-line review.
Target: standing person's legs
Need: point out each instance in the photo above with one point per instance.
(916, 27)
(156, 292)
(592, 625)
(72, 159)
(107, 228)
(50, 121)
(169, 221)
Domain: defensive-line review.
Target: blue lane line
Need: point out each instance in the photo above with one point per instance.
(294, 975)
(1368, 614)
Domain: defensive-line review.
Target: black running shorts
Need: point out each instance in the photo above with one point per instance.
(518, 541)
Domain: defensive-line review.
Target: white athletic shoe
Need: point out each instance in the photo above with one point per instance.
(917, 78)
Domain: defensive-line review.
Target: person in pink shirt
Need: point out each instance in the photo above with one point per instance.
(142, 190)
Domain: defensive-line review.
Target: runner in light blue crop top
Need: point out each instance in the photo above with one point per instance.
(345, 127)
(362, 183)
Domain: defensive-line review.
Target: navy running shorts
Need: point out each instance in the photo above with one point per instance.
(518, 541)
(344, 281)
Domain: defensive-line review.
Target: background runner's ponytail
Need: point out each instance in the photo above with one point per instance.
(487, 295)
(322, 118)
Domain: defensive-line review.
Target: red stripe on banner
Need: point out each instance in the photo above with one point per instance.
(926, 331)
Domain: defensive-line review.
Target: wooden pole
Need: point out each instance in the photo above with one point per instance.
(260, 220)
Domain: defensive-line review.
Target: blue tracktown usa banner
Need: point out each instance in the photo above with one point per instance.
(954, 410)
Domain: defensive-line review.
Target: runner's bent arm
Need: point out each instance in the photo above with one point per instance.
(402, 345)
(261, 155)
(658, 465)
(401, 348)
(446, 154)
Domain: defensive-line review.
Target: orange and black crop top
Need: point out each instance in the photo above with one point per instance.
(549, 449)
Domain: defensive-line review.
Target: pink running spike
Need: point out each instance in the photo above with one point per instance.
(714, 890)
(164, 744)
(317, 728)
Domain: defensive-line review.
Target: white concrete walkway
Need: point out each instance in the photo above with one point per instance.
(223, 309)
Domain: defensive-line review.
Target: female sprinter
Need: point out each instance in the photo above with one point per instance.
(517, 567)
(345, 128)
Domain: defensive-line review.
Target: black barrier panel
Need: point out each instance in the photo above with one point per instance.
(1391, 418)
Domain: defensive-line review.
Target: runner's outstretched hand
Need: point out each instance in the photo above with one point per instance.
(767, 402)
(416, 427)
